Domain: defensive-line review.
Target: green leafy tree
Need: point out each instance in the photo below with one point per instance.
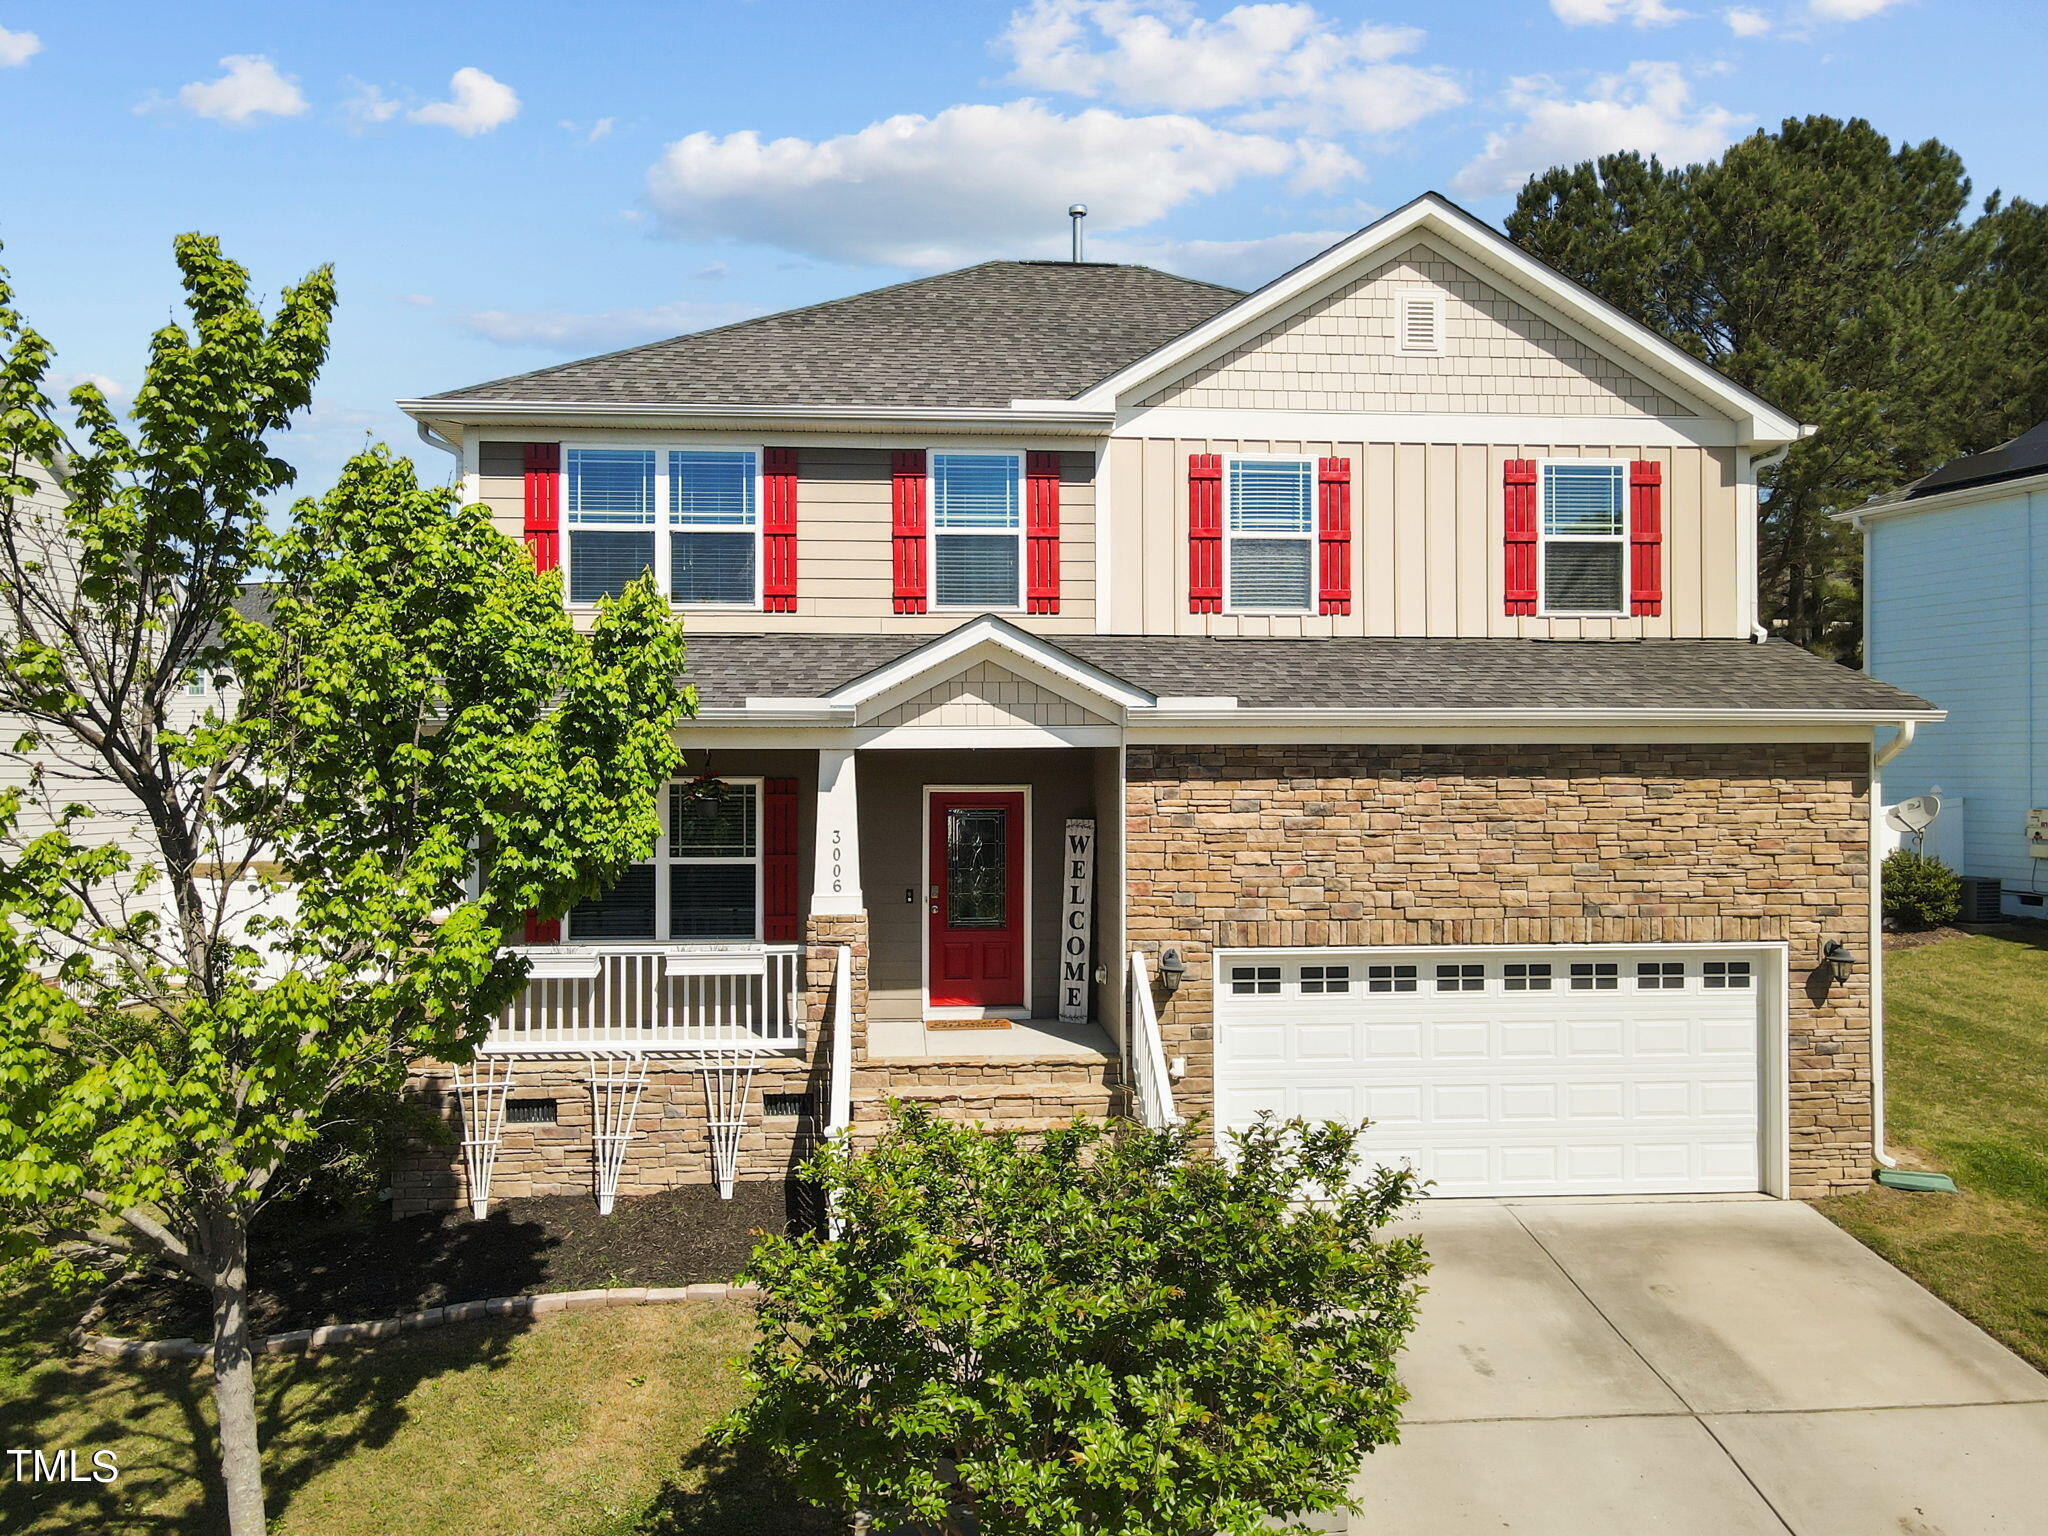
(1838, 277)
(1106, 1332)
(1920, 892)
(414, 692)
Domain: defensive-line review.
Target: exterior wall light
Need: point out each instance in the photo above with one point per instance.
(1839, 958)
(1171, 969)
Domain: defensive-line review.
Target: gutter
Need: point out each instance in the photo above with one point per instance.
(994, 418)
(1209, 713)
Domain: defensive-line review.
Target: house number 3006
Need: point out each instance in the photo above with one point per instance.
(838, 861)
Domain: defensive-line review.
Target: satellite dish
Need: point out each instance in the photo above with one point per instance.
(1913, 816)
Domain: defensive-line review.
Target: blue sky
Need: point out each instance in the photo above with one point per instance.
(505, 185)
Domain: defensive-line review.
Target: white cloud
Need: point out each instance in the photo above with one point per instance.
(251, 88)
(1648, 107)
(600, 129)
(971, 181)
(1236, 263)
(1271, 64)
(1744, 22)
(1852, 10)
(602, 329)
(61, 385)
(1599, 13)
(476, 104)
(17, 48)
(369, 106)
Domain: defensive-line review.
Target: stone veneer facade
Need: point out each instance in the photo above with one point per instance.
(1387, 845)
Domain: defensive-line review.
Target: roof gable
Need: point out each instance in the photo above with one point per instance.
(1492, 258)
(1342, 352)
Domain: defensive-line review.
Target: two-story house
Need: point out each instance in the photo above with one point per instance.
(1125, 694)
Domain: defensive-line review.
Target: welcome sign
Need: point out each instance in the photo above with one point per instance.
(1077, 920)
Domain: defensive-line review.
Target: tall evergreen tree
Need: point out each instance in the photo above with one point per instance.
(1838, 277)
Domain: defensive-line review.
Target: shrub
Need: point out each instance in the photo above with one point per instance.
(1920, 892)
(1104, 1332)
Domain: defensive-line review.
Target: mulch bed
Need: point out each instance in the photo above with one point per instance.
(552, 1243)
(1897, 941)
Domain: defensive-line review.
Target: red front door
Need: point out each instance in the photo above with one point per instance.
(977, 900)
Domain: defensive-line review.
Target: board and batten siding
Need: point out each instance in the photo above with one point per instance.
(1426, 541)
(844, 565)
(1958, 613)
(1341, 353)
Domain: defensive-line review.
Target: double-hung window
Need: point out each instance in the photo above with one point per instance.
(1585, 537)
(1270, 529)
(703, 880)
(977, 530)
(703, 544)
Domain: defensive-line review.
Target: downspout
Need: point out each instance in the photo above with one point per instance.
(1878, 758)
(434, 439)
(1757, 633)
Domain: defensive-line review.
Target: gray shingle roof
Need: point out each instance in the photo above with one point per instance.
(1354, 673)
(982, 336)
(2024, 455)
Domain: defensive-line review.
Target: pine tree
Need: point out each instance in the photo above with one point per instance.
(1839, 278)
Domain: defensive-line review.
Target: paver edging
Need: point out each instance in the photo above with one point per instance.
(301, 1341)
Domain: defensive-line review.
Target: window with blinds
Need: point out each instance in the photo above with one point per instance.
(977, 530)
(1269, 528)
(706, 550)
(1585, 533)
(703, 881)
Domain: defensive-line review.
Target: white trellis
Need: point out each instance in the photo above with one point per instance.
(480, 1088)
(615, 1088)
(728, 1076)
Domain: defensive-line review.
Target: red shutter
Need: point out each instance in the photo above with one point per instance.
(540, 930)
(906, 502)
(778, 530)
(1646, 537)
(1042, 532)
(544, 504)
(1519, 520)
(778, 861)
(1205, 533)
(1333, 535)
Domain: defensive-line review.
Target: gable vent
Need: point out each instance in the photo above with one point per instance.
(1419, 323)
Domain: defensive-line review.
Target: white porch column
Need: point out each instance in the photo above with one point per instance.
(835, 871)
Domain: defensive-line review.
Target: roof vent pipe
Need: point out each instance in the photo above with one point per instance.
(1077, 213)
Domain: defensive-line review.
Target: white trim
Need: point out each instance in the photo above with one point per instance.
(931, 528)
(1476, 241)
(1046, 418)
(1773, 991)
(1941, 501)
(924, 948)
(1544, 538)
(663, 527)
(1505, 430)
(1307, 539)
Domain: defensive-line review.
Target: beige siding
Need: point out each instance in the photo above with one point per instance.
(844, 560)
(1499, 357)
(1426, 541)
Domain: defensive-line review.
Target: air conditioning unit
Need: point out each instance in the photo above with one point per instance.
(1983, 900)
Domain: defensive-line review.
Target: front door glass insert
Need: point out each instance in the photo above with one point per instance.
(977, 866)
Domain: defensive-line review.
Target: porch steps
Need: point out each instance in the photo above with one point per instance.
(1012, 1094)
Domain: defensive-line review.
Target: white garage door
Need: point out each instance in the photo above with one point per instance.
(1495, 1072)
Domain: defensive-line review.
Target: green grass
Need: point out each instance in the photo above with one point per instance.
(577, 1424)
(1967, 1093)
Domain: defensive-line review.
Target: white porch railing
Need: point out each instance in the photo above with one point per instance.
(1148, 1052)
(664, 997)
(839, 1085)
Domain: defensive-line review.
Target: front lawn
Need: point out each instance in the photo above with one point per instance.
(576, 1424)
(1967, 1063)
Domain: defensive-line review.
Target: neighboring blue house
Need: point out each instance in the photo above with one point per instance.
(1956, 609)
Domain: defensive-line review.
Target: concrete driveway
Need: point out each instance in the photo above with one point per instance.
(1720, 1367)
